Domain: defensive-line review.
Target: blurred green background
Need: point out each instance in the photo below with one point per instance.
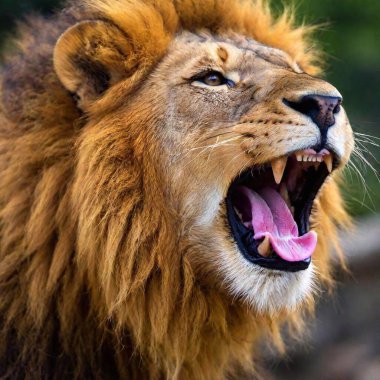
(350, 36)
(351, 41)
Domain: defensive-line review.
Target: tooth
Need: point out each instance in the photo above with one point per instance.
(278, 168)
(328, 162)
(319, 159)
(238, 213)
(264, 247)
(305, 158)
(299, 157)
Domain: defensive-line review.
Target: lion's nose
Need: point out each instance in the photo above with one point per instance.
(320, 108)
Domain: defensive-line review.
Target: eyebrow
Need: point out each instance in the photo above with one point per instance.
(222, 54)
(278, 62)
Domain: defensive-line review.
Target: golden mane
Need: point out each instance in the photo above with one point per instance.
(86, 290)
(152, 24)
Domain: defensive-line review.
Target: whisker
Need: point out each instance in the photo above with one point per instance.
(363, 182)
(366, 150)
(364, 160)
(349, 172)
(366, 135)
(215, 145)
(225, 127)
(211, 147)
(367, 142)
(358, 201)
(232, 160)
(217, 135)
(360, 162)
(220, 129)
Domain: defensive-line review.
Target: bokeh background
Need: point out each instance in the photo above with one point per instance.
(344, 341)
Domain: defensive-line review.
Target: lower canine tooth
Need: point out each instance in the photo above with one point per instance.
(278, 168)
(238, 213)
(264, 247)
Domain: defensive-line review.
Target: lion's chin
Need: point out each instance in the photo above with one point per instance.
(271, 292)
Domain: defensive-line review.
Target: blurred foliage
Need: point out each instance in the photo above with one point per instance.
(350, 35)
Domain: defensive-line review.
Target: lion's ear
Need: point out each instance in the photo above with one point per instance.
(90, 57)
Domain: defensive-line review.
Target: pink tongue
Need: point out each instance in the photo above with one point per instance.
(270, 216)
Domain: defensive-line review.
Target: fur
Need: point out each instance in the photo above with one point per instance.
(100, 277)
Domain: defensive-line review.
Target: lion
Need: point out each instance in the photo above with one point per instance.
(169, 194)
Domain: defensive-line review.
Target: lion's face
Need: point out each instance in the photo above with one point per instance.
(168, 194)
(231, 108)
(243, 141)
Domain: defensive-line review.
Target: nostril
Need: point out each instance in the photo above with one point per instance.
(306, 106)
(337, 109)
(320, 108)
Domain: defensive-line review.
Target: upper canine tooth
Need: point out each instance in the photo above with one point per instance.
(264, 247)
(328, 162)
(278, 168)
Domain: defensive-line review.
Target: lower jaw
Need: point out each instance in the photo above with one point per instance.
(240, 233)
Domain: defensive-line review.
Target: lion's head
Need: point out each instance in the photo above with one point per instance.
(186, 188)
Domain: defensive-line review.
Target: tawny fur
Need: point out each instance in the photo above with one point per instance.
(95, 277)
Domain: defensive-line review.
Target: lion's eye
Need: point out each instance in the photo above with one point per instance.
(214, 79)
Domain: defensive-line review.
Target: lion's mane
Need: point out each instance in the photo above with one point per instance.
(90, 289)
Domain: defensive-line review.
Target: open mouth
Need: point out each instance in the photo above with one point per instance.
(269, 208)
